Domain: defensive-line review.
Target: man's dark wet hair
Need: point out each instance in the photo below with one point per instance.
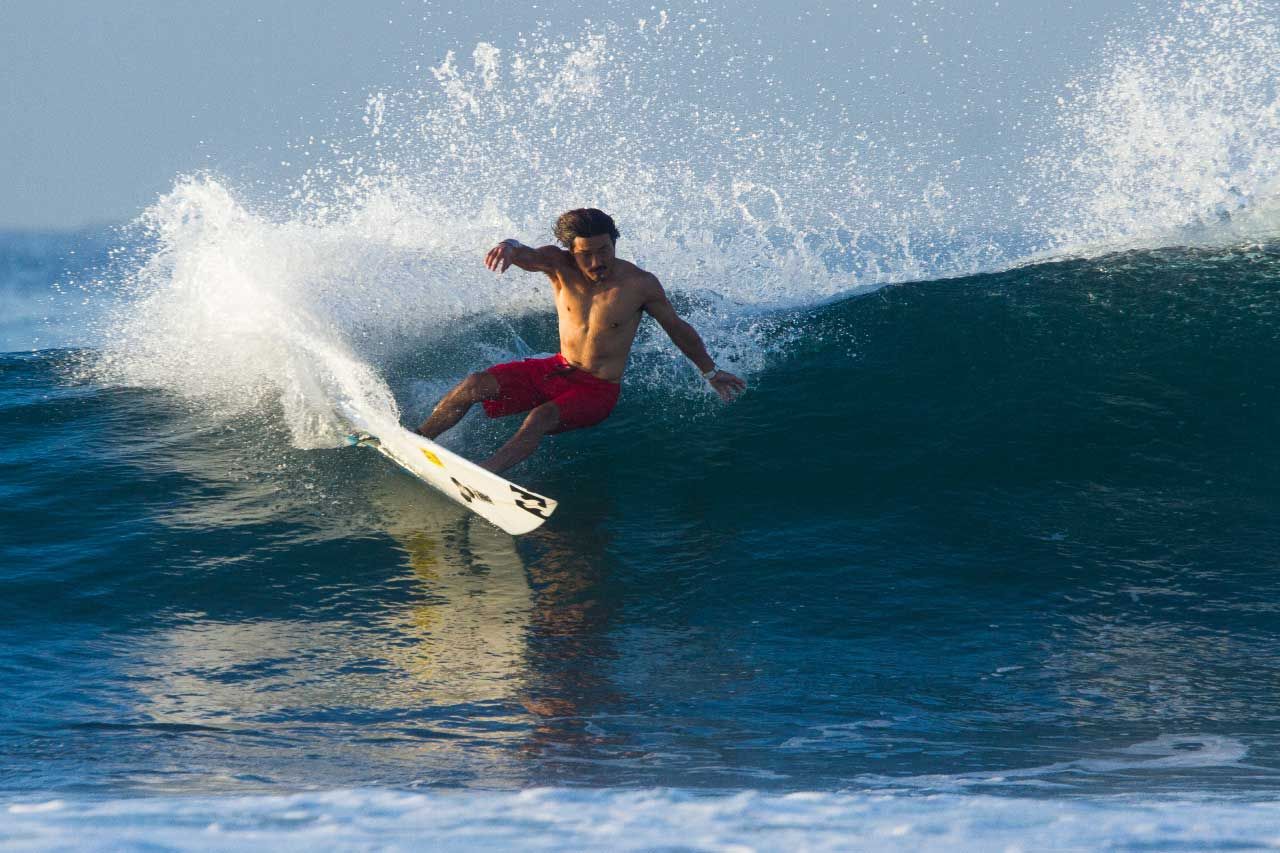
(584, 222)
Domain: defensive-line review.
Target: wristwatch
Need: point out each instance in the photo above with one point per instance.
(710, 374)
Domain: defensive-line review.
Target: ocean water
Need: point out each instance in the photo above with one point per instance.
(984, 559)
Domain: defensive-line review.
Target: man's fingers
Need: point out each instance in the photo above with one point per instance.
(728, 386)
(495, 255)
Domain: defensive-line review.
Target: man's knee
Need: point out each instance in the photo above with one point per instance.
(479, 387)
(542, 420)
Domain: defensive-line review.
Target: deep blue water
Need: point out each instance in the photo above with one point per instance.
(1012, 535)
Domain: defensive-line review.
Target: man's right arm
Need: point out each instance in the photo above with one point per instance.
(545, 259)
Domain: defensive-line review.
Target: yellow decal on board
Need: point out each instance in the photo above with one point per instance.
(432, 457)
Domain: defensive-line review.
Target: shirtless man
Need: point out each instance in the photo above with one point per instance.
(600, 300)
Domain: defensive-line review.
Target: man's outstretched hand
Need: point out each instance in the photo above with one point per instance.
(727, 385)
(500, 257)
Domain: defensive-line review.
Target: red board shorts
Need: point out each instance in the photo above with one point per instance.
(584, 400)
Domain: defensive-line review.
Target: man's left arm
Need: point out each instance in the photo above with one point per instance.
(690, 343)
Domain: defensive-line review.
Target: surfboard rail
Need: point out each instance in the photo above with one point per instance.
(502, 503)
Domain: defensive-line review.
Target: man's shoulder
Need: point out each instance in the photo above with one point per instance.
(557, 263)
(639, 275)
(552, 252)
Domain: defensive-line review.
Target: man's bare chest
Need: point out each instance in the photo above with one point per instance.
(598, 313)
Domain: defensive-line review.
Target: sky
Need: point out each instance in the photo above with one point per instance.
(105, 104)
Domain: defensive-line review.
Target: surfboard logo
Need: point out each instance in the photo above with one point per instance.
(530, 502)
(433, 458)
(469, 494)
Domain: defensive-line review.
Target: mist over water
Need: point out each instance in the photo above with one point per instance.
(1174, 141)
(747, 199)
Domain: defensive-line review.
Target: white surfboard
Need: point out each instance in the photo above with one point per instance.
(500, 502)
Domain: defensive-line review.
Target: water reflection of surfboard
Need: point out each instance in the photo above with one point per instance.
(500, 502)
(456, 648)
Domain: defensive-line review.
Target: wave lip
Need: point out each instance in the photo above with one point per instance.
(1175, 142)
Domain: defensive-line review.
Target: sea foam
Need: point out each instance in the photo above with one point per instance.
(584, 819)
(751, 203)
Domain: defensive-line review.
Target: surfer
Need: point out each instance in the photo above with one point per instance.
(600, 300)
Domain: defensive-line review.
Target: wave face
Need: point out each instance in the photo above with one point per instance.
(746, 205)
(1000, 533)
(996, 518)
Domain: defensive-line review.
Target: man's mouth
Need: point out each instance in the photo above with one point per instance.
(599, 270)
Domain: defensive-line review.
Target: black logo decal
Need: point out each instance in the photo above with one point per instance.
(530, 503)
(469, 494)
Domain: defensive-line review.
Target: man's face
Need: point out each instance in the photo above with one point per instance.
(594, 256)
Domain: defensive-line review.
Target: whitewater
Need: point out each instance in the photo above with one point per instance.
(984, 558)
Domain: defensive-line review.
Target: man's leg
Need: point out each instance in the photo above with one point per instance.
(468, 392)
(540, 421)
